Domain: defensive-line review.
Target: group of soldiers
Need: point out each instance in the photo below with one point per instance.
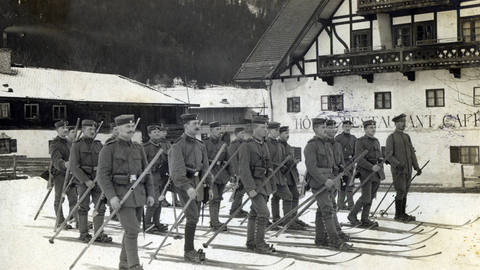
(259, 164)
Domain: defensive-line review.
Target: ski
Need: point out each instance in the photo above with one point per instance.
(435, 224)
(389, 229)
(109, 244)
(387, 243)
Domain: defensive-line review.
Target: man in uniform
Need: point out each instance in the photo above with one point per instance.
(368, 164)
(60, 153)
(188, 161)
(401, 161)
(239, 191)
(277, 155)
(291, 174)
(320, 163)
(121, 162)
(254, 166)
(158, 140)
(83, 164)
(113, 131)
(347, 140)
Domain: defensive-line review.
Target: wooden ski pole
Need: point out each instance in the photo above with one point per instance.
(43, 202)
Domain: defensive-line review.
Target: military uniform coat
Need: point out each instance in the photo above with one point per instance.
(60, 153)
(320, 161)
(400, 145)
(348, 146)
(118, 161)
(291, 174)
(234, 145)
(160, 167)
(254, 165)
(277, 155)
(84, 158)
(213, 146)
(366, 163)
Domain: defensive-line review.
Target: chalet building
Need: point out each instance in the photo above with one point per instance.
(33, 99)
(371, 59)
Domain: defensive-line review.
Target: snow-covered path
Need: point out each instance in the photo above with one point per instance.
(24, 242)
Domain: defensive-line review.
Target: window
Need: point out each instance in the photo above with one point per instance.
(464, 154)
(402, 36)
(471, 29)
(4, 110)
(293, 104)
(383, 100)
(31, 111)
(332, 103)
(59, 112)
(476, 96)
(425, 31)
(435, 98)
(361, 40)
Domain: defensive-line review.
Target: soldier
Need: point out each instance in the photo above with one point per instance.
(188, 161)
(239, 191)
(158, 140)
(254, 166)
(213, 145)
(320, 163)
(60, 153)
(347, 141)
(291, 175)
(83, 164)
(366, 165)
(402, 160)
(113, 131)
(120, 164)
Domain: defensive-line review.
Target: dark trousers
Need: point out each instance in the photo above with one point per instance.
(130, 218)
(283, 192)
(192, 214)
(71, 194)
(401, 183)
(95, 194)
(257, 220)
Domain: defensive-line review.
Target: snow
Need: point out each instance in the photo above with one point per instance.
(24, 242)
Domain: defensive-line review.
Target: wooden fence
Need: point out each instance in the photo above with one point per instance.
(14, 166)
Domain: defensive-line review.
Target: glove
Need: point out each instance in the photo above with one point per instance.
(419, 172)
(192, 194)
(67, 164)
(252, 193)
(330, 184)
(150, 201)
(115, 203)
(400, 167)
(376, 168)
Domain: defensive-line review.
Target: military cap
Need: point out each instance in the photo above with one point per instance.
(125, 119)
(273, 125)
(260, 120)
(61, 123)
(347, 122)
(399, 118)
(214, 124)
(330, 122)
(151, 128)
(319, 121)
(112, 125)
(189, 117)
(88, 123)
(283, 129)
(239, 129)
(368, 123)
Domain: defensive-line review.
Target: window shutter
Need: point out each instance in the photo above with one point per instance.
(454, 154)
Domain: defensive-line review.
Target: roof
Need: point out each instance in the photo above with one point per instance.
(222, 97)
(288, 38)
(80, 86)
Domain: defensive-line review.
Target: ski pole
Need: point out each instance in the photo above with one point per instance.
(205, 245)
(164, 191)
(175, 216)
(125, 197)
(384, 212)
(43, 202)
(312, 197)
(197, 189)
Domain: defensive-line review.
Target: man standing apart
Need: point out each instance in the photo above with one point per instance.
(83, 164)
(254, 166)
(320, 162)
(121, 162)
(188, 161)
(158, 140)
(366, 165)
(402, 160)
(240, 191)
(60, 153)
(347, 140)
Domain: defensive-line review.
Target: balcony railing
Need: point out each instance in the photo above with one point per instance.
(402, 59)
(376, 6)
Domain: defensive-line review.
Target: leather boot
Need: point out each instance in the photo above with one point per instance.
(349, 195)
(260, 245)
(366, 222)
(341, 199)
(275, 207)
(83, 224)
(251, 234)
(404, 207)
(131, 249)
(148, 216)
(399, 216)
(214, 209)
(330, 227)
(352, 216)
(189, 237)
(320, 233)
(98, 221)
(123, 265)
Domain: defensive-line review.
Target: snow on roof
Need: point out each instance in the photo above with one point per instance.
(79, 86)
(221, 97)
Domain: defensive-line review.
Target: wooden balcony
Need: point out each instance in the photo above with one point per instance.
(366, 7)
(431, 55)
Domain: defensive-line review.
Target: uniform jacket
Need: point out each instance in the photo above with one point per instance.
(366, 163)
(188, 152)
(213, 146)
(84, 158)
(320, 161)
(111, 139)
(337, 153)
(60, 153)
(348, 146)
(234, 145)
(118, 161)
(160, 168)
(291, 174)
(254, 166)
(277, 155)
(401, 146)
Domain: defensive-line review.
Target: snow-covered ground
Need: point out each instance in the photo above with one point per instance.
(24, 242)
